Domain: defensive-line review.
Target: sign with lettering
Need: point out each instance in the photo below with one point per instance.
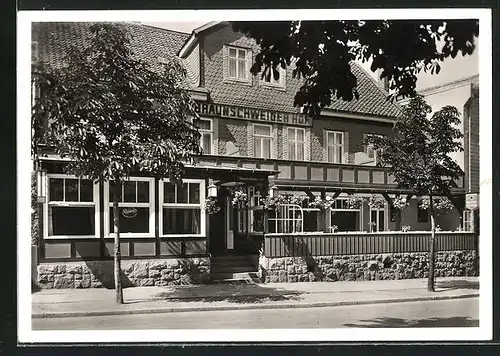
(471, 201)
(241, 113)
(129, 213)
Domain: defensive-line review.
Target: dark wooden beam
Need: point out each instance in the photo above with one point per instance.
(309, 194)
(336, 194)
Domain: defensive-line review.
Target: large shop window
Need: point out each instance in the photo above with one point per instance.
(71, 208)
(205, 126)
(296, 138)
(237, 63)
(343, 217)
(136, 207)
(181, 211)
(262, 141)
(335, 146)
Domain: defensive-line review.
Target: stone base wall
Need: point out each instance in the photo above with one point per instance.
(366, 267)
(97, 274)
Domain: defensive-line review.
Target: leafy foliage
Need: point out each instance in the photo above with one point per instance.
(112, 114)
(322, 52)
(419, 152)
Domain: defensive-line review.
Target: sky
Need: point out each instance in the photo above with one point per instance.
(452, 69)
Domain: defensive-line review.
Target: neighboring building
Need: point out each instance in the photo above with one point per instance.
(253, 138)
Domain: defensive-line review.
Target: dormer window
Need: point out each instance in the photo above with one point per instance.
(237, 64)
(270, 79)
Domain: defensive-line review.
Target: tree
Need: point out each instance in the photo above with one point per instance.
(322, 52)
(419, 158)
(112, 115)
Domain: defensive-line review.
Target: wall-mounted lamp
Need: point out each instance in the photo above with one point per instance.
(212, 191)
(273, 191)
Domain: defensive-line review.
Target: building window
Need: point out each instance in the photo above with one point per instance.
(343, 217)
(377, 220)
(270, 80)
(256, 210)
(205, 127)
(71, 207)
(262, 141)
(136, 206)
(335, 146)
(286, 218)
(370, 151)
(237, 63)
(181, 210)
(422, 215)
(296, 138)
(468, 220)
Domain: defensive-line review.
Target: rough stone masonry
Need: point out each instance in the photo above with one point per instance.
(96, 274)
(367, 267)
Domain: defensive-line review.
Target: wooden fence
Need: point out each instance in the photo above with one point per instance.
(302, 245)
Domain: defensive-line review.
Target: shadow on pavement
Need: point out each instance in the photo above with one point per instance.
(418, 323)
(457, 284)
(231, 293)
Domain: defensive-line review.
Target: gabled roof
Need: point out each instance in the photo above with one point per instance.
(151, 44)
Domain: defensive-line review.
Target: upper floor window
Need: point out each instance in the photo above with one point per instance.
(296, 138)
(272, 80)
(136, 207)
(335, 146)
(370, 151)
(71, 208)
(262, 141)
(237, 63)
(205, 126)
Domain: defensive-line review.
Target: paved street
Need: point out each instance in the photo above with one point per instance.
(447, 313)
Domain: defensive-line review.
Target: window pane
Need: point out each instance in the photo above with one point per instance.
(232, 68)
(142, 192)
(242, 69)
(182, 193)
(71, 189)
(330, 154)
(266, 149)
(181, 221)
(339, 138)
(206, 143)
(338, 155)
(300, 151)
(71, 221)
(257, 149)
(111, 188)
(132, 220)
(194, 193)
(258, 220)
(86, 190)
(300, 135)
(262, 130)
(168, 192)
(241, 54)
(203, 124)
(56, 189)
(291, 149)
(330, 139)
(232, 52)
(129, 192)
(291, 134)
(381, 219)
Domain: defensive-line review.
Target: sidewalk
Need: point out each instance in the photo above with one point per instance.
(51, 303)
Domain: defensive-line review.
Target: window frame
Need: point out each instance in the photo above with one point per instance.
(95, 203)
(151, 205)
(335, 145)
(162, 203)
(229, 58)
(205, 131)
(295, 143)
(262, 137)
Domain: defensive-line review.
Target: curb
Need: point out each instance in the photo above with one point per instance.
(249, 307)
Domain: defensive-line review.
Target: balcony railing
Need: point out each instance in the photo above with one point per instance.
(312, 174)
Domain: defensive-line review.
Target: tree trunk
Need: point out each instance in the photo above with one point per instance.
(432, 250)
(116, 220)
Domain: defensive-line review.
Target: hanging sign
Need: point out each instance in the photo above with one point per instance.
(238, 112)
(471, 201)
(129, 213)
